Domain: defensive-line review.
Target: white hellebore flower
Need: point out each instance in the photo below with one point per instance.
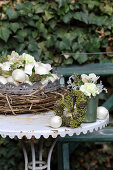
(3, 80)
(93, 77)
(85, 78)
(19, 75)
(28, 68)
(28, 58)
(41, 68)
(89, 89)
(6, 66)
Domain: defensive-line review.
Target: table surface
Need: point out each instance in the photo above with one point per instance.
(38, 125)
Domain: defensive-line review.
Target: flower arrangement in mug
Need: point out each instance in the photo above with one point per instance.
(72, 109)
(24, 69)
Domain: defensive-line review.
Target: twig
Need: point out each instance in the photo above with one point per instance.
(58, 94)
(31, 106)
(10, 105)
(38, 90)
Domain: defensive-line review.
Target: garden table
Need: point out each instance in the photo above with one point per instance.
(37, 125)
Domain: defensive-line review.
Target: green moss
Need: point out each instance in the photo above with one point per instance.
(67, 106)
(70, 100)
(59, 107)
(76, 79)
(36, 77)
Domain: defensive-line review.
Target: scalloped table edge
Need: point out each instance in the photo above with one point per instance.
(62, 131)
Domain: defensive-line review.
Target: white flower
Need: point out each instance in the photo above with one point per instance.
(13, 55)
(85, 78)
(41, 68)
(89, 89)
(14, 58)
(93, 77)
(28, 68)
(28, 58)
(6, 66)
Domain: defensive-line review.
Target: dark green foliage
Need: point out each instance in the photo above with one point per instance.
(45, 29)
(11, 155)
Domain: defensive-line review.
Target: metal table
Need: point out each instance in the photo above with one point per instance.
(37, 125)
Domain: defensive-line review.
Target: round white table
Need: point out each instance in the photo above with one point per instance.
(37, 125)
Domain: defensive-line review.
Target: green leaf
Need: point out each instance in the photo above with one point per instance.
(60, 2)
(12, 14)
(23, 33)
(4, 33)
(48, 15)
(75, 46)
(68, 61)
(14, 26)
(82, 58)
(33, 46)
(67, 17)
(20, 6)
(85, 17)
(78, 16)
(61, 32)
(52, 23)
(40, 8)
(76, 56)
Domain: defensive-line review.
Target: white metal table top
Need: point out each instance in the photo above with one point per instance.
(38, 125)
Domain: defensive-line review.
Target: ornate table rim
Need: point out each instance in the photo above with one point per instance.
(62, 131)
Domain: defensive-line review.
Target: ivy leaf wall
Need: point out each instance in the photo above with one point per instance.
(46, 29)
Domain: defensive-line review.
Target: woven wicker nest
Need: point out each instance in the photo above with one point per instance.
(26, 98)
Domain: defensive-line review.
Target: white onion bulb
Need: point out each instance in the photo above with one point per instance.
(56, 122)
(3, 80)
(102, 112)
(10, 79)
(19, 75)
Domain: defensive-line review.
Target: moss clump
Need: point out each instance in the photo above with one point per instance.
(59, 107)
(67, 105)
(37, 77)
(70, 100)
(76, 79)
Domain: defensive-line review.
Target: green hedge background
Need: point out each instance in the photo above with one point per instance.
(47, 29)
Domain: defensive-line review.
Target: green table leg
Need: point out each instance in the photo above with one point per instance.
(109, 103)
(59, 156)
(66, 161)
